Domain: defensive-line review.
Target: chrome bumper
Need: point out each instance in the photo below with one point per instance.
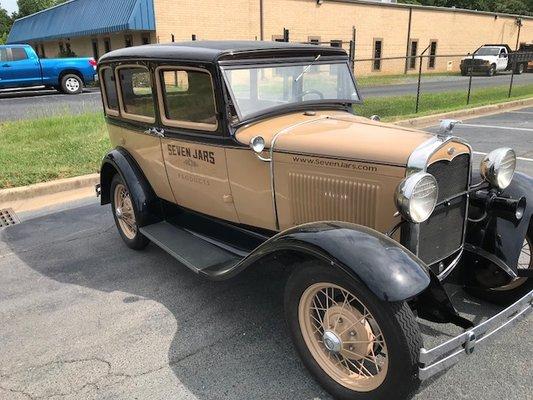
(448, 353)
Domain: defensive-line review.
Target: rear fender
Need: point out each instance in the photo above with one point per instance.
(389, 270)
(145, 201)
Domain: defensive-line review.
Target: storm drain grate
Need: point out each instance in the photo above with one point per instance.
(8, 217)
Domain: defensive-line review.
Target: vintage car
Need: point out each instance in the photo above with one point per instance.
(230, 155)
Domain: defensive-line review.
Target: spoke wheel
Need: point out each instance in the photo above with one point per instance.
(124, 211)
(343, 337)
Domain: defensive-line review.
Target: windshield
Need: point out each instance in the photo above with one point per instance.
(256, 89)
(488, 51)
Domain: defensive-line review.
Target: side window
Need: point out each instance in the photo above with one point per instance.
(110, 91)
(3, 55)
(136, 93)
(188, 99)
(18, 54)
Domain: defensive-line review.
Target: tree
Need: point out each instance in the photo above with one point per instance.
(5, 25)
(27, 7)
(502, 6)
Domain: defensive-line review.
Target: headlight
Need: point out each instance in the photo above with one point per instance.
(416, 196)
(498, 167)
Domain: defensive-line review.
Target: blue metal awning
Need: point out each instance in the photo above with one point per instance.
(84, 18)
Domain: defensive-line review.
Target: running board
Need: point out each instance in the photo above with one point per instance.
(202, 255)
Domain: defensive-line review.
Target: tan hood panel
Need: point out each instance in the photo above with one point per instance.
(337, 134)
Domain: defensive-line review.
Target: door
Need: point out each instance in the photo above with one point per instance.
(22, 68)
(195, 158)
(501, 63)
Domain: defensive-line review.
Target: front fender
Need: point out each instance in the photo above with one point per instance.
(500, 237)
(388, 269)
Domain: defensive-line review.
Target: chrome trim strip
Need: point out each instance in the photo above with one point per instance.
(444, 274)
(449, 353)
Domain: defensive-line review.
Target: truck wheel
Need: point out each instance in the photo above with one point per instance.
(355, 345)
(463, 72)
(492, 70)
(518, 287)
(519, 69)
(124, 214)
(71, 84)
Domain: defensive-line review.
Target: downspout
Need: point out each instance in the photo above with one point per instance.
(261, 20)
(408, 39)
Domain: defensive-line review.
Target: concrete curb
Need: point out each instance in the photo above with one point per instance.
(45, 188)
(434, 119)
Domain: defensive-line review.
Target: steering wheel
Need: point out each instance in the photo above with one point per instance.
(311, 91)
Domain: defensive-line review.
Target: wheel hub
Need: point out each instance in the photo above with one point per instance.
(119, 213)
(332, 342)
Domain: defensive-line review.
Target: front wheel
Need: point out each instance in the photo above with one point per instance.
(355, 345)
(71, 84)
(492, 70)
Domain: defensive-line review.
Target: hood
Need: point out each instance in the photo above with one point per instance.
(486, 58)
(337, 134)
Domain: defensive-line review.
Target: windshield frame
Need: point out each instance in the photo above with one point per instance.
(300, 61)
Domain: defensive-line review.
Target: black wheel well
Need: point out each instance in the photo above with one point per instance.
(70, 72)
(107, 173)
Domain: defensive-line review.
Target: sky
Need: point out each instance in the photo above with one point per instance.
(9, 5)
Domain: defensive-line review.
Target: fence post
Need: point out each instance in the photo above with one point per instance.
(513, 68)
(419, 79)
(470, 80)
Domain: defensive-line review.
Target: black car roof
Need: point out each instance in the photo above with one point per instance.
(211, 51)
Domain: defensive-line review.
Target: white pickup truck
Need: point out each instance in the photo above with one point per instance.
(493, 58)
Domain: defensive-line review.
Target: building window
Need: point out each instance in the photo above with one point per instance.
(96, 55)
(189, 99)
(336, 43)
(378, 53)
(146, 39)
(413, 51)
(107, 45)
(110, 90)
(432, 53)
(314, 40)
(128, 41)
(136, 93)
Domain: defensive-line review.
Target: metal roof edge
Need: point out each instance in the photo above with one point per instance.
(432, 8)
(45, 10)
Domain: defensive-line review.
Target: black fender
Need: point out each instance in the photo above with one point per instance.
(146, 203)
(496, 240)
(388, 269)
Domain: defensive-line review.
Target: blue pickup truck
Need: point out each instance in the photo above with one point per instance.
(21, 67)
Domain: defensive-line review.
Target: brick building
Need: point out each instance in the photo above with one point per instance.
(378, 29)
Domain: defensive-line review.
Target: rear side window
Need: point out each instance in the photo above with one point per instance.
(110, 89)
(18, 54)
(136, 91)
(188, 99)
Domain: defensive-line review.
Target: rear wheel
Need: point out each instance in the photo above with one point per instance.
(125, 215)
(71, 84)
(355, 345)
(519, 70)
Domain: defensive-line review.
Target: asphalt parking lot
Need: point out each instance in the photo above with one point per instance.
(84, 317)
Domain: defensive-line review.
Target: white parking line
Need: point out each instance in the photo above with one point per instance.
(518, 158)
(496, 127)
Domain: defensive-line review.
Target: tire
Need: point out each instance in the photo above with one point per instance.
(125, 215)
(519, 69)
(492, 70)
(512, 291)
(463, 72)
(394, 376)
(71, 84)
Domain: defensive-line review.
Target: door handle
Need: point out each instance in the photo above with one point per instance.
(157, 132)
(6, 66)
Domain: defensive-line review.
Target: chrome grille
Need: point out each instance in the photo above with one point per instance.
(442, 234)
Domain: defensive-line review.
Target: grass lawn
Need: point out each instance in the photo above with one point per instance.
(403, 107)
(51, 148)
(379, 80)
